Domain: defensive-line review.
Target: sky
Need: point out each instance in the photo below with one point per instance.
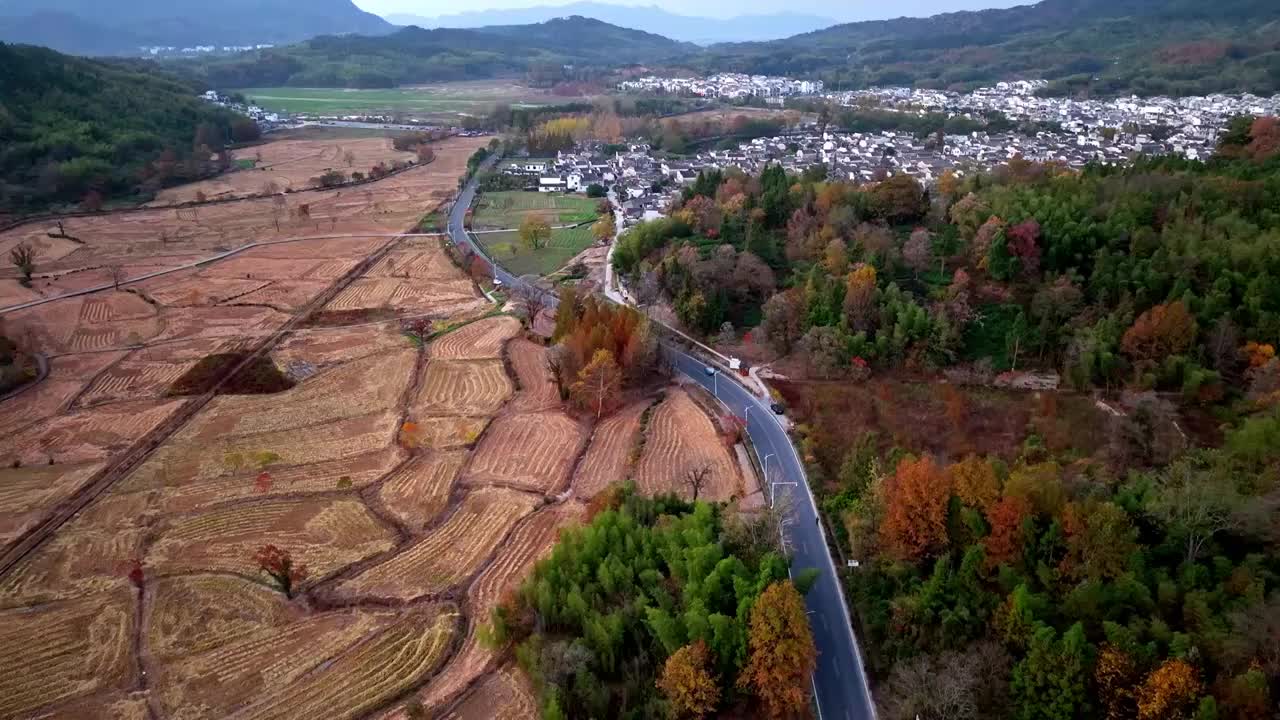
(844, 11)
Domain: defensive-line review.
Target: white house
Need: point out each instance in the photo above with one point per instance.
(551, 183)
(535, 166)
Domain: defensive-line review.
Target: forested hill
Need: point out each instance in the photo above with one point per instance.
(89, 27)
(1101, 46)
(417, 55)
(75, 130)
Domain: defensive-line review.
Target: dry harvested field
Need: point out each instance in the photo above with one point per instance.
(448, 553)
(681, 438)
(150, 240)
(453, 387)
(538, 389)
(289, 165)
(480, 340)
(504, 695)
(529, 451)
(609, 459)
(133, 591)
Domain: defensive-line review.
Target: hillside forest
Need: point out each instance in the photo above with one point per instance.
(1114, 561)
(81, 132)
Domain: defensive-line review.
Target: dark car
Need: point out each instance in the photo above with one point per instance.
(778, 409)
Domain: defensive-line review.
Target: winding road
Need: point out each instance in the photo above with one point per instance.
(840, 682)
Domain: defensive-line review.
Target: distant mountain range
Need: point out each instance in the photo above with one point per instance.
(563, 49)
(1181, 47)
(652, 19)
(1178, 47)
(120, 27)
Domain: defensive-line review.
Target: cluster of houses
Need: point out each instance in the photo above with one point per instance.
(172, 51)
(730, 86)
(1104, 129)
(266, 120)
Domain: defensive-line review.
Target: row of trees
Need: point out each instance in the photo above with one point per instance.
(661, 607)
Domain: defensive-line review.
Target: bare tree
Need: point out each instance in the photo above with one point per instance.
(533, 299)
(349, 158)
(23, 257)
(696, 478)
(117, 276)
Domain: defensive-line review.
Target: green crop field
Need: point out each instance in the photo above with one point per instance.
(446, 98)
(506, 210)
(505, 248)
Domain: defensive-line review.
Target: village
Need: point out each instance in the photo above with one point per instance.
(729, 86)
(1082, 132)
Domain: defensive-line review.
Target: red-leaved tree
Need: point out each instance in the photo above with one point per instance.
(279, 565)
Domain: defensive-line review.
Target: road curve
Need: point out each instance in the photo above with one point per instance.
(840, 682)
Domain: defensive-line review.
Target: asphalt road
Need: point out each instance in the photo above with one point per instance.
(840, 684)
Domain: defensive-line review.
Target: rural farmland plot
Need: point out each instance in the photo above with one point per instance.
(414, 482)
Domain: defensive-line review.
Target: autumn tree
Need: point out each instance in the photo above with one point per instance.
(917, 253)
(534, 232)
(975, 483)
(23, 257)
(783, 324)
(1159, 333)
(836, 257)
(1100, 538)
(915, 522)
(279, 565)
(598, 384)
(425, 154)
(859, 297)
(602, 230)
(1115, 677)
(781, 653)
(688, 682)
(1169, 692)
(1005, 542)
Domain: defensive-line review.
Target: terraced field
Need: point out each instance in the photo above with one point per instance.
(414, 484)
(681, 438)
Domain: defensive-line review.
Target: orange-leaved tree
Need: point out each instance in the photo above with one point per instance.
(1004, 544)
(279, 565)
(1160, 332)
(781, 653)
(598, 384)
(1169, 692)
(688, 683)
(915, 520)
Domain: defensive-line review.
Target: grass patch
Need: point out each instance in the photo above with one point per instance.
(246, 163)
(565, 243)
(507, 209)
(448, 98)
(259, 377)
